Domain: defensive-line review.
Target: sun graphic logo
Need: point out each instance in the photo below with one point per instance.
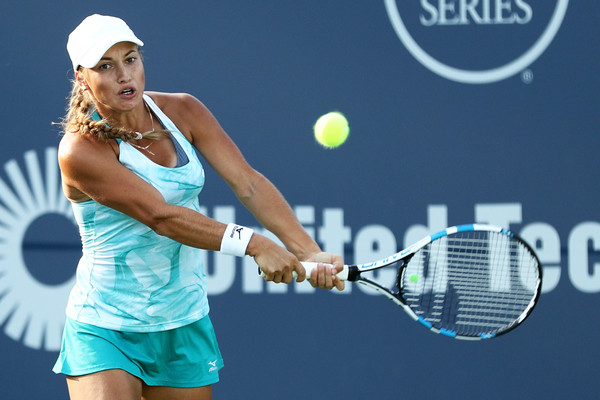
(35, 277)
(477, 41)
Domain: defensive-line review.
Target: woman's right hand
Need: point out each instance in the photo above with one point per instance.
(276, 263)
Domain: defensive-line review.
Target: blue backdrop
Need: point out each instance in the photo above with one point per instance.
(478, 111)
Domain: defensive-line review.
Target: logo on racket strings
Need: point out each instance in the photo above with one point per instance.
(476, 41)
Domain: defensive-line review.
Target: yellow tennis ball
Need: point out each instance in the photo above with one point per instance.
(331, 129)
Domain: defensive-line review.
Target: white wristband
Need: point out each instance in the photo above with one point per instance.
(235, 240)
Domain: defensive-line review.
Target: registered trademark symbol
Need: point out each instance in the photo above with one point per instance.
(527, 76)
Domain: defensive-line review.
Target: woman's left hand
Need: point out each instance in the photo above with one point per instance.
(324, 276)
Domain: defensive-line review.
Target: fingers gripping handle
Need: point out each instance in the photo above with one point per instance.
(309, 266)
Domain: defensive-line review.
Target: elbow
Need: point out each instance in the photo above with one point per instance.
(246, 193)
(159, 226)
(247, 188)
(159, 222)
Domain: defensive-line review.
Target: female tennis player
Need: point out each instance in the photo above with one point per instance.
(137, 319)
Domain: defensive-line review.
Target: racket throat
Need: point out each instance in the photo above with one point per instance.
(353, 273)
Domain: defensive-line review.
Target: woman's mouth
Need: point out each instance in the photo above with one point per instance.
(129, 92)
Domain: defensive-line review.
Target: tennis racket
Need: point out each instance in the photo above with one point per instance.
(467, 282)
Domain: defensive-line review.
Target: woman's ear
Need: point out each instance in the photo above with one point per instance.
(81, 80)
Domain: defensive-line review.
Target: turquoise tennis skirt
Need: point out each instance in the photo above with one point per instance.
(188, 356)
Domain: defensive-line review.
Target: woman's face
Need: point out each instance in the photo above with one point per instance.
(117, 82)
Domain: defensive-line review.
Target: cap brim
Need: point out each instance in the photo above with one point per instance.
(93, 56)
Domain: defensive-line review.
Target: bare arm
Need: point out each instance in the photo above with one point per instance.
(253, 190)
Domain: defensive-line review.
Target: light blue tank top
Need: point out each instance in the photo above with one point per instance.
(129, 278)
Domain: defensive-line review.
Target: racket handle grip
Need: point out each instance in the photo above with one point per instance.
(310, 265)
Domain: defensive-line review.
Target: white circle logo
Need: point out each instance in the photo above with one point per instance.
(476, 76)
(29, 309)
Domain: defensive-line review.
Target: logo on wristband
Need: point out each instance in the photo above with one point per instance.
(237, 229)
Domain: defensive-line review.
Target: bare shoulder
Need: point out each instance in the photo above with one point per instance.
(82, 159)
(178, 105)
(167, 100)
(188, 113)
(78, 150)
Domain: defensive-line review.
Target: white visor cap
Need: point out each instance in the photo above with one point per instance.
(94, 36)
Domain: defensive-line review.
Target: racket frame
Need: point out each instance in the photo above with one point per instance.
(404, 256)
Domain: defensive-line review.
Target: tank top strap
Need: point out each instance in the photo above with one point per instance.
(174, 132)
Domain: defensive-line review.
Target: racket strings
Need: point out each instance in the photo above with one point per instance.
(471, 283)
